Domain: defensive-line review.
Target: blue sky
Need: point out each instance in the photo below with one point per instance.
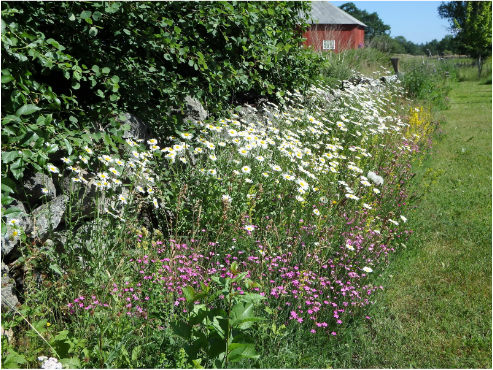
(417, 21)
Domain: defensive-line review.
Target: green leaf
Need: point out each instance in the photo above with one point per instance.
(196, 364)
(251, 298)
(69, 147)
(96, 15)
(220, 326)
(246, 351)
(8, 157)
(189, 293)
(241, 315)
(71, 17)
(13, 360)
(95, 69)
(105, 70)
(27, 109)
(85, 14)
(181, 329)
(6, 79)
(75, 85)
(115, 79)
(107, 139)
(8, 185)
(126, 31)
(13, 212)
(52, 149)
(6, 200)
(93, 31)
(71, 363)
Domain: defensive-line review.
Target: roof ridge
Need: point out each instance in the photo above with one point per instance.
(323, 12)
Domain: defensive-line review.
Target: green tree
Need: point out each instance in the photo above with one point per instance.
(376, 27)
(471, 23)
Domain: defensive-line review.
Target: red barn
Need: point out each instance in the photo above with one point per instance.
(333, 29)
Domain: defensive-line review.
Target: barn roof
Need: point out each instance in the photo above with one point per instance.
(324, 12)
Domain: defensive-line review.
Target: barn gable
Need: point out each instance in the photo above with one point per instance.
(333, 29)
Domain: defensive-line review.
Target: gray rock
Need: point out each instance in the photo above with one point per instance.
(8, 333)
(387, 79)
(9, 299)
(47, 217)
(11, 239)
(194, 110)
(33, 188)
(138, 128)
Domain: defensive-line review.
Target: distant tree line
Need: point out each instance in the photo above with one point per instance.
(470, 28)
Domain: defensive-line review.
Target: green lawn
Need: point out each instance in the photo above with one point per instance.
(435, 311)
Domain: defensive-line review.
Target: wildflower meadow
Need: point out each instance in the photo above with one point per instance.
(274, 219)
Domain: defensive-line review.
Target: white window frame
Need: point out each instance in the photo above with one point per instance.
(329, 44)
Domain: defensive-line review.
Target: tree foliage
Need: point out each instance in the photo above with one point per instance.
(78, 65)
(376, 27)
(471, 23)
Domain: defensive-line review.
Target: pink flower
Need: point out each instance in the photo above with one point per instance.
(313, 331)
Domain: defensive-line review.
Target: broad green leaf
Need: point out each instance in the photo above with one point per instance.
(8, 157)
(27, 109)
(8, 184)
(220, 326)
(251, 298)
(189, 293)
(243, 339)
(105, 70)
(6, 200)
(71, 363)
(96, 15)
(71, 17)
(246, 351)
(136, 352)
(240, 313)
(85, 14)
(181, 329)
(10, 118)
(69, 147)
(196, 364)
(93, 31)
(52, 149)
(6, 79)
(115, 79)
(13, 360)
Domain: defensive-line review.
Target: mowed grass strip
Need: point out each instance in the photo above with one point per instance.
(435, 311)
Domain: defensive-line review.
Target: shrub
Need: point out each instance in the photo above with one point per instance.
(74, 66)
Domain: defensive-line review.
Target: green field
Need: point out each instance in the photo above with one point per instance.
(436, 309)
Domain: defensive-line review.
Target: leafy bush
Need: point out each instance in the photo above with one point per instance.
(80, 65)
